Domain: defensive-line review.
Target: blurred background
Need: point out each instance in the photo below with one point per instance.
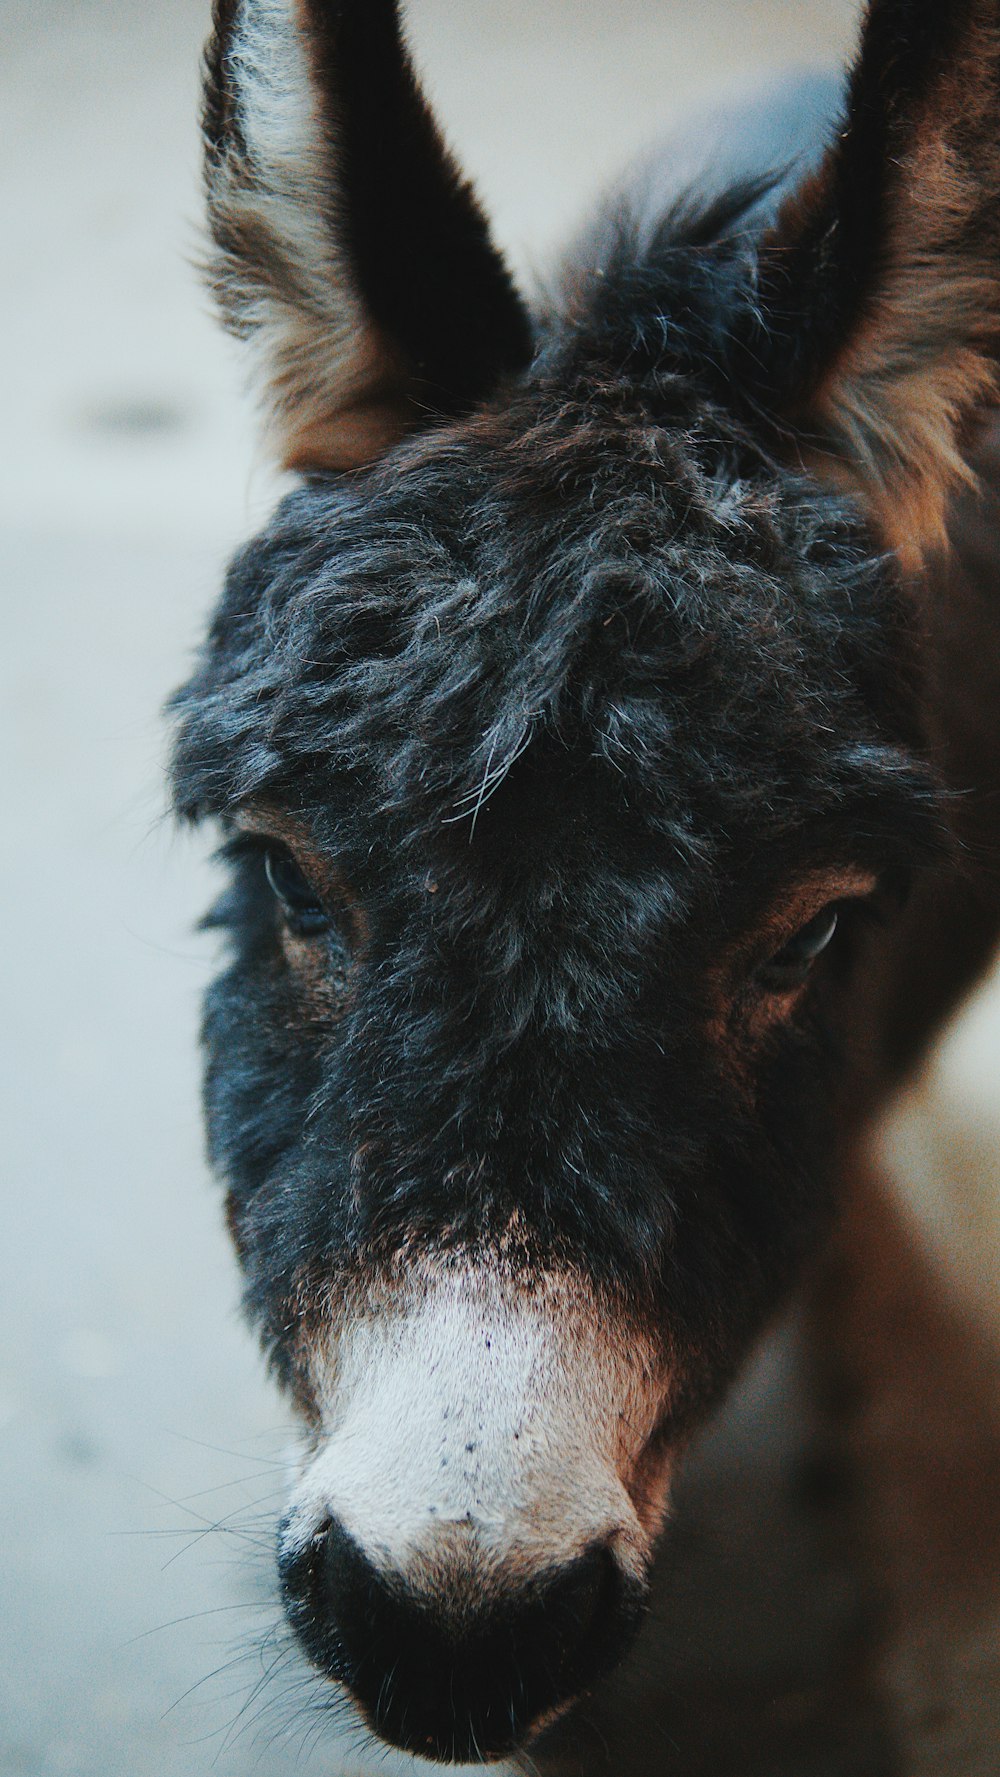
(140, 1445)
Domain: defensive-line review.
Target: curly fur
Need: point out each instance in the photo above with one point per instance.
(587, 687)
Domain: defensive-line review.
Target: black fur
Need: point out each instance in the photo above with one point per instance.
(760, 292)
(569, 697)
(673, 683)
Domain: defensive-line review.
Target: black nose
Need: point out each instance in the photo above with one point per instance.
(446, 1674)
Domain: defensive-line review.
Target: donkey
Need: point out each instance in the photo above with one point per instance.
(604, 752)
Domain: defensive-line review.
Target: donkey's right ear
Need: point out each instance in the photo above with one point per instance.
(348, 250)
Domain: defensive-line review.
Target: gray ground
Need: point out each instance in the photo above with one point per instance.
(139, 1445)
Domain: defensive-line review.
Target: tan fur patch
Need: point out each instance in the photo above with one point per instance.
(335, 391)
(900, 420)
(899, 400)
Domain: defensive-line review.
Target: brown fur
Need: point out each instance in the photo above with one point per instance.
(924, 1436)
(335, 389)
(894, 408)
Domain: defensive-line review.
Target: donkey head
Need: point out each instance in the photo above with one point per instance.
(565, 730)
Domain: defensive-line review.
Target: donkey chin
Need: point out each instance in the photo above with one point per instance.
(466, 1545)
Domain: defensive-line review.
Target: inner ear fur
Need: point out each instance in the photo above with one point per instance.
(347, 249)
(880, 282)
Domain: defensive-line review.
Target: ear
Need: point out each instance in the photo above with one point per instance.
(347, 248)
(877, 311)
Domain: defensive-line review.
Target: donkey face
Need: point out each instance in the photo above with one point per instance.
(568, 746)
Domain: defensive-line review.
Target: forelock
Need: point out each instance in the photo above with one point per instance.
(587, 581)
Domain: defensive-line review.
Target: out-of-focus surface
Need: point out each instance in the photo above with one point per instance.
(133, 1416)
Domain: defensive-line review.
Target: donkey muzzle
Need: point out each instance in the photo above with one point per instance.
(466, 1548)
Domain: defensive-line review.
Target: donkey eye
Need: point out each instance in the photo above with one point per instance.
(300, 904)
(792, 963)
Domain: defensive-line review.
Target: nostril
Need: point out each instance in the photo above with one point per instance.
(575, 1622)
(342, 1607)
(587, 1595)
(305, 1592)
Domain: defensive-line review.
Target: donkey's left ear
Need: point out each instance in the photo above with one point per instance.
(877, 310)
(348, 250)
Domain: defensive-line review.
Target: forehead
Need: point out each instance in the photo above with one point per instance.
(508, 635)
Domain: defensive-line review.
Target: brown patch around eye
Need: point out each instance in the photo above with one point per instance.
(270, 823)
(807, 900)
(320, 969)
(744, 1009)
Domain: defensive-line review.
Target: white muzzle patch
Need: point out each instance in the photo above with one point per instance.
(479, 1428)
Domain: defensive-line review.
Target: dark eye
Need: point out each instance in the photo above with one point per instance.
(303, 910)
(792, 963)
